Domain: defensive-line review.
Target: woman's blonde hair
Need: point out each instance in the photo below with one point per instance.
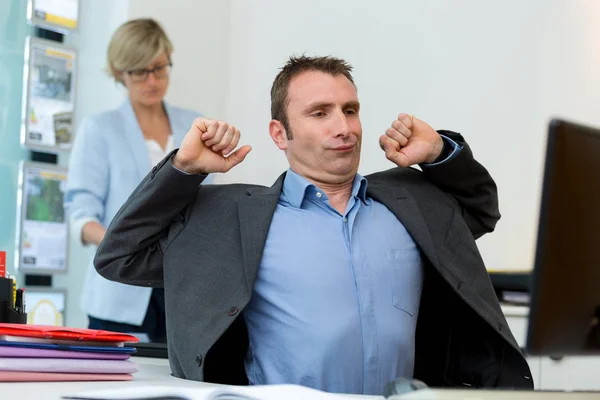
(135, 44)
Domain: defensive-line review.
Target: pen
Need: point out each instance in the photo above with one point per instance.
(19, 301)
(3, 264)
(23, 301)
(14, 290)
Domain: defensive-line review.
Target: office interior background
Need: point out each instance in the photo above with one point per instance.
(495, 71)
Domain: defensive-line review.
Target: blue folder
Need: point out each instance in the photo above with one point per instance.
(69, 347)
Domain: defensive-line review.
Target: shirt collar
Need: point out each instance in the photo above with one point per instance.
(296, 188)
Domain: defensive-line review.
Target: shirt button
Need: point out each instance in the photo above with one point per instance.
(345, 219)
(199, 360)
(232, 311)
(319, 194)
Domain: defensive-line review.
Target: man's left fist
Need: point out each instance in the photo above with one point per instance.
(410, 141)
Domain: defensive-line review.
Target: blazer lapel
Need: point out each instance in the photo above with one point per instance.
(178, 128)
(135, 139)
(400, 202)
(256, 211)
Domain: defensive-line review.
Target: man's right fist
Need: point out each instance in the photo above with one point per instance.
(207, 146)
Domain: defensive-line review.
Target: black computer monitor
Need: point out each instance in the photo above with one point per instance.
(565, 302)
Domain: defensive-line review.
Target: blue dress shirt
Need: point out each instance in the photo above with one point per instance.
(337, 296)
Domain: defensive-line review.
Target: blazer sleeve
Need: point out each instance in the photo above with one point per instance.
(88, 178)
(136, 239)
(470, 184)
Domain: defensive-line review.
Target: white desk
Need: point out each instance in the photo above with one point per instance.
(156, 372)
(494, 395)
(151, 371)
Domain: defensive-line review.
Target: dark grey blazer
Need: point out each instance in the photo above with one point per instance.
(204, 245)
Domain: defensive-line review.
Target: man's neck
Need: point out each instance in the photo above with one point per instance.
(337, 193)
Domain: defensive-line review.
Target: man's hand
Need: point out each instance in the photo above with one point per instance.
(411, 141)
(207, 146)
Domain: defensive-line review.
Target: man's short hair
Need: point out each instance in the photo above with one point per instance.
(294, 67)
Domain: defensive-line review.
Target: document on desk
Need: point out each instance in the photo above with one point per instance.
(259, 392)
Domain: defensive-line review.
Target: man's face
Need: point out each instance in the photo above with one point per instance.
(325, 127)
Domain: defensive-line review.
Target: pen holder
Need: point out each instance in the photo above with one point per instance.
(9, 315)
(17, 318)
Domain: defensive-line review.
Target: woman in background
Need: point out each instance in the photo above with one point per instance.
(112, 153)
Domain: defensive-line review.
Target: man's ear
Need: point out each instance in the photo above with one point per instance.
(278, 134)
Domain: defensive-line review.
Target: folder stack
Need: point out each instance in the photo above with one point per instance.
(35, 353)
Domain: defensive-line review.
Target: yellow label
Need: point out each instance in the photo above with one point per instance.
(53, 175)
(58, 53)
(62, 21)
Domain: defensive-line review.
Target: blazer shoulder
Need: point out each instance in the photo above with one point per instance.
(103, 118)
(233, 190)
(102, 124)
(183, 114)
(411, 179)
(406, 175)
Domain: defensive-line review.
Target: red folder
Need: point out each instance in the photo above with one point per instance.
(60, 332)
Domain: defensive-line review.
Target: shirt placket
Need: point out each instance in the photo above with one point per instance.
(365, 301)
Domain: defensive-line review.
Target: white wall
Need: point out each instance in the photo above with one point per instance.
(199, 31)
(495, 72)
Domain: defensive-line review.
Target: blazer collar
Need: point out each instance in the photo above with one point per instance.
(256, 208)
(134, 137)
(401, 203)
(178, 127)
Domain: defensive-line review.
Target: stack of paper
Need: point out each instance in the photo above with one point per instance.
(264, 392)
(30, 353)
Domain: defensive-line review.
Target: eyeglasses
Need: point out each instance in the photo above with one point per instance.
(160, 72)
